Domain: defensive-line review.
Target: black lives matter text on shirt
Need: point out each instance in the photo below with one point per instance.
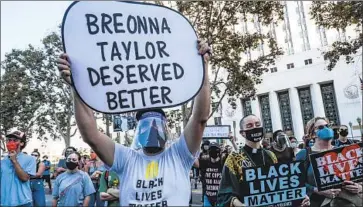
(149, 193)
(212, 178)
(121, 56)
(277, 185)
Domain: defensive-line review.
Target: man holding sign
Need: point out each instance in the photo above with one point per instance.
(232, 191)
(151, 175)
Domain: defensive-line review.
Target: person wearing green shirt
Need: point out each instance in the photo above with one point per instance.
(109, 188)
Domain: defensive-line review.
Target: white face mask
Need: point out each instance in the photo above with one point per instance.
(293, 144)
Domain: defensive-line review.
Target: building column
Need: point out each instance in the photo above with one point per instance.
(255, 106)
(317, 100)
(275, 111)
(296, 115)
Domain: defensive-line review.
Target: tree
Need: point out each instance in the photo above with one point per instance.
(42, 102)
(339, 15)
(217, 21)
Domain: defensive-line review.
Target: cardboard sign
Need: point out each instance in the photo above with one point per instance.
(332, 167)
(217, 132)
(127, 56)
(275, 185)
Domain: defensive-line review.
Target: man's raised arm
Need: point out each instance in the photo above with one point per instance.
(193, 131)
(86, 122)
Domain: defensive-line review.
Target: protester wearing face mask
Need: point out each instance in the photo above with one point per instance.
(149, 162)
(343, 139)
(46, 174)
(211, 171)
(319, 129)
(73, 187)
(252, 154)
(61, 167)
(281, 147)
(15, 172)
(36, 182)
(294, 145)
(95, 168)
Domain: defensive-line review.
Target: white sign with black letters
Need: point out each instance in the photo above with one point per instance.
(221, 131)
(127, 56)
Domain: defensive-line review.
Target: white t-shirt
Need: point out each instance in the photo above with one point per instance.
(160, 180)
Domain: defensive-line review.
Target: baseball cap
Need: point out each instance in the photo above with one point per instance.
(17, 135)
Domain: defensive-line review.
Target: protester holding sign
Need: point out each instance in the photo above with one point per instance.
(252, 154)
(149, 176)
(211, 172)
(319, 129)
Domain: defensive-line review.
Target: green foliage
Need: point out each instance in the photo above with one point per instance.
(34, 98)
(216, 21)
(339, 15)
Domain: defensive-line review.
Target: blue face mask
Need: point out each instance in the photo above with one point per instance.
(311, 143)
(325, 134)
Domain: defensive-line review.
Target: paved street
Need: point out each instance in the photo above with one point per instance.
(196, 195)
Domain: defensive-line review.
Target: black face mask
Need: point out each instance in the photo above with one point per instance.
(71, 165)
(343, 133)
(254, 135)
(214, 154)
(153, 150)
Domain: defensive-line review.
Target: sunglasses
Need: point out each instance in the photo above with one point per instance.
(322, 126)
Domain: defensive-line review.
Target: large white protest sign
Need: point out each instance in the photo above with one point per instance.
(218, 131)
(127, 56)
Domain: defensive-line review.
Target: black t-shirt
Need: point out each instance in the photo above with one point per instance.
(287, 155)
(212, 174)
(339, 143)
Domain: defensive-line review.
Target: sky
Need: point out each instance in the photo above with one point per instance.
(27, 22)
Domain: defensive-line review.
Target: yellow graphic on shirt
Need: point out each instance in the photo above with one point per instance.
(152, 170)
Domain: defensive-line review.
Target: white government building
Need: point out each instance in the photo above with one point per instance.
(298, 87)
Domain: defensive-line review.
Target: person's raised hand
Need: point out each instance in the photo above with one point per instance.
(204, 50)
(64, 68)
(12, 156)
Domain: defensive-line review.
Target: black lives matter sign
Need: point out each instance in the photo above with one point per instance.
(276, 185)
(332, 168)
(127, 56)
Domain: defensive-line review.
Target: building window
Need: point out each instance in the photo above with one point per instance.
(273, 70)
(290, 65)
(266, 113)
(218, 120)
(246, 106)
(330, 104)
(306, 105)
(308, 62)
(285, 110)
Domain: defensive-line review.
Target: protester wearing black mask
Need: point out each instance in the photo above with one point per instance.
(252, 154)
(73, 187)
(211, 171)
(343, 139)
(281, 147)
(61, 167)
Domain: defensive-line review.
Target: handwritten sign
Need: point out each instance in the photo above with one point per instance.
(220, 131)
(277, 185)
(128, 56)
(332, 167)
